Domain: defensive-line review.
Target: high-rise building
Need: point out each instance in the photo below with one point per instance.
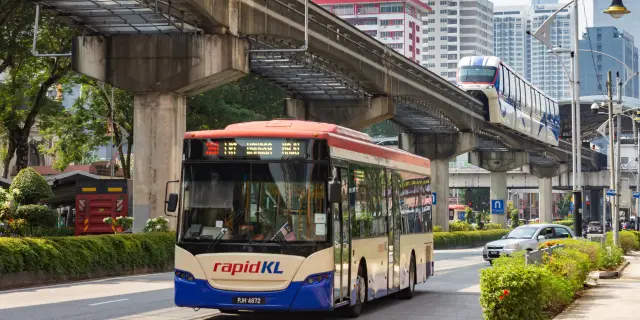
(594, 67)
(511, 42)
(456, 29)
(396, 23)
(592, 12)
(547, 70)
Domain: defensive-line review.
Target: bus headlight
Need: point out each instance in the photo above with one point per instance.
(490, 87)
(185, 276)
(317, 278)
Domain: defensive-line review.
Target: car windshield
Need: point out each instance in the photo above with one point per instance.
(522, 233)
(481, 74)
(594, 224)
(255, 202)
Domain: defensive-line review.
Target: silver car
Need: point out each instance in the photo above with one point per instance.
(525, 238)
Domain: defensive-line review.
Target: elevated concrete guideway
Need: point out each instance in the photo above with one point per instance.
(163, 51)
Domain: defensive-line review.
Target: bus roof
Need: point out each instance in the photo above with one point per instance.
(337, 136)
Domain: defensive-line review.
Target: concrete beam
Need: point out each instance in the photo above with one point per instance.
(354, 114)
(184, 64)
(444, 146)
(547, 172)
(498, 161)
(220, 16)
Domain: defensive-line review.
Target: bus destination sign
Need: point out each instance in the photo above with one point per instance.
(255, 148)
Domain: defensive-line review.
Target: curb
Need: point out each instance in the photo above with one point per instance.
(613, 274)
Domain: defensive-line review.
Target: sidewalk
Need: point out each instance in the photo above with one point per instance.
(617, 299)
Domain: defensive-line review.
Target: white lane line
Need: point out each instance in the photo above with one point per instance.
(112, 301)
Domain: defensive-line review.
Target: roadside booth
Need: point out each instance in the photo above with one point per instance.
(97, 200)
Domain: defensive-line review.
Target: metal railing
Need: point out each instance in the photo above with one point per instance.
(536, 256)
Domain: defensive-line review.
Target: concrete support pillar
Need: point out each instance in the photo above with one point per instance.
(159, 126)
(595, 207)
(546, 200)
(440, 186)
(499, 192)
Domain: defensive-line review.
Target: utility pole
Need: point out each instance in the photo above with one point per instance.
(577, 190)
(612, 181)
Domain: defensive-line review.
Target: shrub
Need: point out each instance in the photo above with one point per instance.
(437, 229)
(511, 290)
(37, 216)
(13, 228)
(628, 241)
(466, 239)
(571, 264)
(32, 187)
(492, 226)
(610, 258)
(80, 256)
(460, 226)
(515, 218)
(566, 223)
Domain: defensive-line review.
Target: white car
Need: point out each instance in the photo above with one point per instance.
(526, 237)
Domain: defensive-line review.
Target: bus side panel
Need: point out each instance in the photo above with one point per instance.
(375, 251)
(422, 245)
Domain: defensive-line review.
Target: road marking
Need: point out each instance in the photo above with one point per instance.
(112, 301)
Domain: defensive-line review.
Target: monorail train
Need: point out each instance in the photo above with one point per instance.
(509, 100)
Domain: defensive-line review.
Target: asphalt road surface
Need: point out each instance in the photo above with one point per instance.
(452, 293)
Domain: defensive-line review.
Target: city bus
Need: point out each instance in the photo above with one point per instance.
(288, 215)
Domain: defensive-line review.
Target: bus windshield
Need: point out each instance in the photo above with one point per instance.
(481, 74)
(255, 201)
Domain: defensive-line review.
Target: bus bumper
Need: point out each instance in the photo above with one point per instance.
(299, 296)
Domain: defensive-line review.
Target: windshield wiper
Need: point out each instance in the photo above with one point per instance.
(217, 239)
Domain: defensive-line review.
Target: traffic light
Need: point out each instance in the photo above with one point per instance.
(470, 204)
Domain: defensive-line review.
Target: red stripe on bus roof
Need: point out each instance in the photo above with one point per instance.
(337, 136)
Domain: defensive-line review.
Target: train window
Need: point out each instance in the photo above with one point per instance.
(503, 84)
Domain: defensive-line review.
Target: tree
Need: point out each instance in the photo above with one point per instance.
(27, 79)
(515, 218)
(383, 129)
(251, 98)
(479, 197)
(564, 206)
(468, 215)
(32, 187)
(79, 131)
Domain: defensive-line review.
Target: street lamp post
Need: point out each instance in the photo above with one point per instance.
(612, 181)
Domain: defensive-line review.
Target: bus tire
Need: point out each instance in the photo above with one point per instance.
(409, 292)
(356, 309)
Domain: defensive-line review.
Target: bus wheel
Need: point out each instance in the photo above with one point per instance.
(409, 292)
(361, 293)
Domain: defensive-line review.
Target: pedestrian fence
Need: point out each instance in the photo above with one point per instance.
(535, 256)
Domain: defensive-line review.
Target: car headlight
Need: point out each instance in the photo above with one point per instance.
(514, 246)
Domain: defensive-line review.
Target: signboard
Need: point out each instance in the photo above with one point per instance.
(433, 194)
(249, 148)
(611, 193)
(497, 206)
(636, 195)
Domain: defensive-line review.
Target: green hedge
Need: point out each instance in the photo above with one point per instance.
(568, 223)
(78, 256)
(513, 290)
(466, 239)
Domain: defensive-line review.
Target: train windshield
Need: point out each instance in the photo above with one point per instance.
(482, 74)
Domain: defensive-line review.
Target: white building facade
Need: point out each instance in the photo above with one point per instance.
(396, 23)
(456, 29)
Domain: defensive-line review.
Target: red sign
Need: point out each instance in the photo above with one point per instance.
(213, 149)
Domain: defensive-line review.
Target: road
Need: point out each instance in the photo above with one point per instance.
(452, 293)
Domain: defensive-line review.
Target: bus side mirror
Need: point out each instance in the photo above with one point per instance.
(335, 191)
(172, 203)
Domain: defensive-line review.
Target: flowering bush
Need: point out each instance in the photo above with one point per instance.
(119, 224)
(13, 228)
(159, 224)
(7, 203)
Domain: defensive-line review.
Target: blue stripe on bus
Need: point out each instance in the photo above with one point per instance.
(296, 297)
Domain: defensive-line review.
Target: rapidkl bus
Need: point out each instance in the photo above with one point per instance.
(298, 216)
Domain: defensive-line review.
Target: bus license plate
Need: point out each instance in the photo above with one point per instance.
(248, 300)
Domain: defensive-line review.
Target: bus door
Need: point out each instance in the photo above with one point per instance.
(394, 226)
(341, 241)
